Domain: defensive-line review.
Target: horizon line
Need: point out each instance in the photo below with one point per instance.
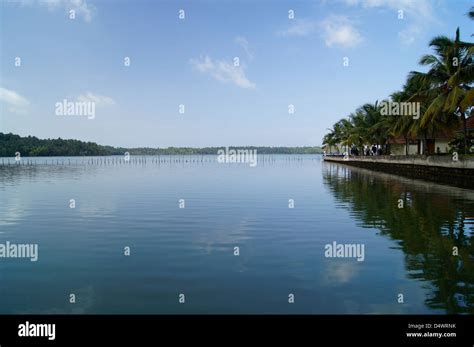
(193, 147)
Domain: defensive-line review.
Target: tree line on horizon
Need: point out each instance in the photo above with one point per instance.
(444, 93)
(31, 146)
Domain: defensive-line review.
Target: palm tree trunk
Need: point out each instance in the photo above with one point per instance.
(406, 145)
(423, 142)
(464, 121)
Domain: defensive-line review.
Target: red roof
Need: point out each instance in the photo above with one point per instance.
(469, 124)
(443, 134)
(399, 140)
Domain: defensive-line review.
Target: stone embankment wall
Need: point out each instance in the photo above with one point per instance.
(441, 169)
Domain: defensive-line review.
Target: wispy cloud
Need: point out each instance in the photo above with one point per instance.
(335, 31)
(421, 7)
(339, 31)
(242, 42)
(15, 102)
(410, 33)
(223, 71)
(99, 100)
(81, 7)
(299, 27)
(417, 14)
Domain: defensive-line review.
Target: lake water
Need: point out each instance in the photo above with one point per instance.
(192, 250)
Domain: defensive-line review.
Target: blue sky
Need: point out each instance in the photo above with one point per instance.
(283, 61)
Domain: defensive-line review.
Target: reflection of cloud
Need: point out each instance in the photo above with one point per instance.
(226, 235)
(13, 212)
(339, 272)
(87, 208)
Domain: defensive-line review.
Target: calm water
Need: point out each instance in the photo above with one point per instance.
(191, 250)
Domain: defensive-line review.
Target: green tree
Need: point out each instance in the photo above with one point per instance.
(446, 87)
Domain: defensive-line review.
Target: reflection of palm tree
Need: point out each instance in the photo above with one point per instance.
(427, 229)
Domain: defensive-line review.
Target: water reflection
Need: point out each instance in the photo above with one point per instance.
(433, 221)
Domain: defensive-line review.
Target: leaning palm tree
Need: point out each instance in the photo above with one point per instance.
(446, 87)
(329, 139)
(403, 125)
(358, 134)
(337, 135)
(378, 124)
(345, 129)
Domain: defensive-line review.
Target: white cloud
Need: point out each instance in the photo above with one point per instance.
(421, 7)
(339, 31)
(223, 71)
(15, 102)
(417, 13)
(81, 7)
(409, 35)
(335, 30)
(299, 27)
(99, 100)
(242, 42)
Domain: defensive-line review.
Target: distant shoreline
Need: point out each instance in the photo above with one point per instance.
(31, 146)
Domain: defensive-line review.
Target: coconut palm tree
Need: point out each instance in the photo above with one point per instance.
(378, 124)
(337, 135)
(403, 125)
(346, 129)
(329, 139)
(359, 131)
(446, 87)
